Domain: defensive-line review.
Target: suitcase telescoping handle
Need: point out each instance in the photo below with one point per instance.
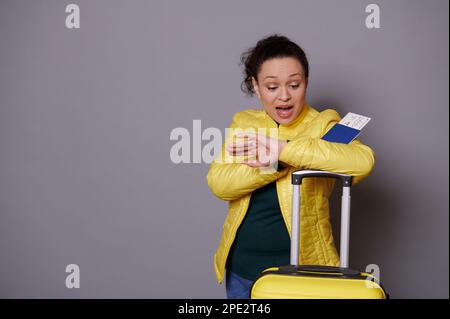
(297, 178)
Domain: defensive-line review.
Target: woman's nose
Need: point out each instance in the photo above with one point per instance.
(284, 95)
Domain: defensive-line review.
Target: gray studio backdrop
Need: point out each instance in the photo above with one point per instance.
(86, 115)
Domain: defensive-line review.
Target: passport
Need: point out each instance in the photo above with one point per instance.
(347, 129)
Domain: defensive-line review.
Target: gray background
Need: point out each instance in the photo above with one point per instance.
(85, 118)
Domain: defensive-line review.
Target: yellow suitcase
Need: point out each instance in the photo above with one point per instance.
(317, 282)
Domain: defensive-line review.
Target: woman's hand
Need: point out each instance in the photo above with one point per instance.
(265, 150)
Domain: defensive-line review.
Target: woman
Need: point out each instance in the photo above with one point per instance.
(256, 233)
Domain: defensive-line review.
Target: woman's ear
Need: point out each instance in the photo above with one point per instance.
(256, 87)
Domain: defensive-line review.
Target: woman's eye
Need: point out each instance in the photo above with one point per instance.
(273, 88)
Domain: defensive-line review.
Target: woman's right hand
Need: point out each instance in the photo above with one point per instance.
(261, 150)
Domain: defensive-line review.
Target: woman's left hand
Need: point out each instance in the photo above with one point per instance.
(267, 149)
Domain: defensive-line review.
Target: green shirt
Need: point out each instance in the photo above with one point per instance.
(262, 240)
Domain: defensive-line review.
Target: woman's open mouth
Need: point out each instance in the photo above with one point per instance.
(285, 111)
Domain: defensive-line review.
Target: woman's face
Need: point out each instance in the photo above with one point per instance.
(281, 87)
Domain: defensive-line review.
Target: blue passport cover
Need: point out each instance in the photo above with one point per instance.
(341, 134)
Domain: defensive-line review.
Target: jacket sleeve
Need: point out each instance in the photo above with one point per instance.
(230, 181)
(306, 152)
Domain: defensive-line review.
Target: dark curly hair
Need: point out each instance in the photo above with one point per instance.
(274, 46)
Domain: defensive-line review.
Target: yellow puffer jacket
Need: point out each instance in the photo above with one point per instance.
(235, 182)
